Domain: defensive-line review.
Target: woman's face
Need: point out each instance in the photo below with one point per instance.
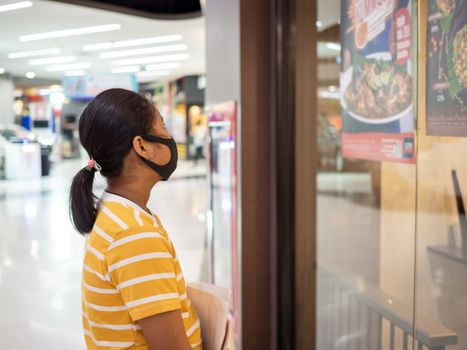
(158, 126)
(161, 153)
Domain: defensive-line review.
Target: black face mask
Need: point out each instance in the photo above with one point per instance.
(163, 170)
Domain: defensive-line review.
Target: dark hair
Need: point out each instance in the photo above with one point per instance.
(107, 127)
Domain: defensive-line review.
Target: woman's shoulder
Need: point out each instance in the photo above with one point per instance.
(125, 215)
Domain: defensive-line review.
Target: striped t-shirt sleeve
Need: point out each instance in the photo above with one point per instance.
(141, 265)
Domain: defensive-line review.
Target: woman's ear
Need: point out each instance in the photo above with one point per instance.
(139, 147)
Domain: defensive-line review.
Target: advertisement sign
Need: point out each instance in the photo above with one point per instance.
(446, 68)
(89, 86)
(377, 80)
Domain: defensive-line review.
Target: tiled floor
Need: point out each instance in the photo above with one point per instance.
(41, 255)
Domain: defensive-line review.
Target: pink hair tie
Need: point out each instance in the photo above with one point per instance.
(92, 164)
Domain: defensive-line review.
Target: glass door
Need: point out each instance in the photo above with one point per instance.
(391, 180)
(441, 256)
(366, 179)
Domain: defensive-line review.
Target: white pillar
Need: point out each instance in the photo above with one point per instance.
(7, 89)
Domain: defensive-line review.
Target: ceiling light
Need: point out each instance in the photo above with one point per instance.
(144, 51)
(134, 42)
(160, 66)
(33, 53)
(30, 75)
(152, 59)
(15, 6)
(72, 66)
(332, 88)
(75, 73)
(146, 74)
(333, 46)
(2, 70)
(64, 59)
(127, 69)
(319, 24)
(70, 32)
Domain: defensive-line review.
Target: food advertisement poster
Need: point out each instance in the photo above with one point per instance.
(446, 68)
(377, 80)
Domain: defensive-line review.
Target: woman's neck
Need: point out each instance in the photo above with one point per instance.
(137, 192)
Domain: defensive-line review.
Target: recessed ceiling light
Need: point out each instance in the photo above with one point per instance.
(134, 42)
(15, 6)
(143, 51)
(128, 69)
(75, 73)
(33, 53)
(65, 67)
(51, 60)
(70, 32)
(159, 66)
(2, 70)
(333, 46)
(152, 59)
(30, 75)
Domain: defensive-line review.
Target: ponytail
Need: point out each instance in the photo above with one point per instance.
(83, 209)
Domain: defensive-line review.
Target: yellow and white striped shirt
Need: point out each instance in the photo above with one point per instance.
(130, 272)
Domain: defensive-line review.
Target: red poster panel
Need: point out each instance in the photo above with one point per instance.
(377, 80)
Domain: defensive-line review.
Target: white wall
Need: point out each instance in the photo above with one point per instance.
(222, 51)
(7, 114)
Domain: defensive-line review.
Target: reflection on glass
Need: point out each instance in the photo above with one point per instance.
(221, 158)
(392, 235)
(365, 208)
(441, 259)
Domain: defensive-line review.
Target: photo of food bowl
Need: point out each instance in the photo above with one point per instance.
(375, 91)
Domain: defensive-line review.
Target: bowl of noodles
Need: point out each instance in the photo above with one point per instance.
(375, 90)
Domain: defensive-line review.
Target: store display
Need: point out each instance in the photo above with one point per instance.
(376, 80)
(446, 68)
(22, 160)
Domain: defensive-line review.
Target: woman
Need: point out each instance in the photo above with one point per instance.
(134, 294)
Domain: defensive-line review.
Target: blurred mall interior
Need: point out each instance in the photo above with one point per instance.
(322, 149)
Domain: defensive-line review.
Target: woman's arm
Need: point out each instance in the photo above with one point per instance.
(165, 331)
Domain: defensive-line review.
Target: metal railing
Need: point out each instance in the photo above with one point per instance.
(356, 315)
